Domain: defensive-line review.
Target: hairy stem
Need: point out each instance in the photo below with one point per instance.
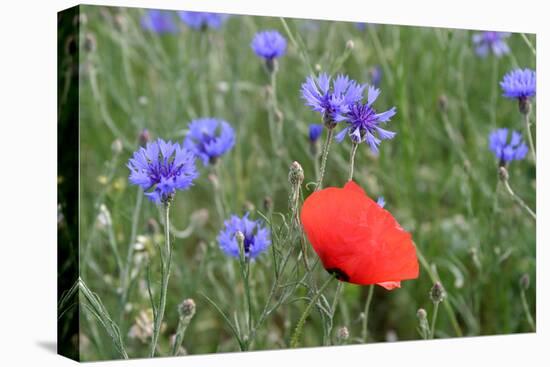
(518, 200)
(295, 340)
(166, 256)
(352, 160)
(526, 117)
(324, 155)
(434, 318)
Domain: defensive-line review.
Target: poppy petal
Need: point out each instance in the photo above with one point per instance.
(357, 239)
(390, 285)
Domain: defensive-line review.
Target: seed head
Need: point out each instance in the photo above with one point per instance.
(524, 281)
(343, 333)
(187, 309)
(296, 174)
(437, 293)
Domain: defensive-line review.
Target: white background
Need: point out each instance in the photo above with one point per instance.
(28, 182)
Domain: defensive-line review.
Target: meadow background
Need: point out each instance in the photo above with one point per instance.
(437, 176)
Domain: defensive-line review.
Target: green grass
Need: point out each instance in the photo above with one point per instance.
(437, 176)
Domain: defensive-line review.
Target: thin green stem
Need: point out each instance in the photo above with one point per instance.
(526, 117)
(295, 340)
(352, 160)
(180, 334)
(527, 312)
(365, 330)
(434, 319)
(166, 256)
(125, 281)
(324, 155)
(518, 200)
(529, 44)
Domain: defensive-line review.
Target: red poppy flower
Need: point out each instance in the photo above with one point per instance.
(358, 240)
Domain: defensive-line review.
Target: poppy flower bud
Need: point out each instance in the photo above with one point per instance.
(421, 314)
(437, 293)
(423, 325)
(186, 309)
(524, 281)
(350, 45)
(296, 174)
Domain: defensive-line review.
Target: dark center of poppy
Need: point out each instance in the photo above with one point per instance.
(339, 273)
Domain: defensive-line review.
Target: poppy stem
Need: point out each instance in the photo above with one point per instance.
(434, 318)
(166, 257)
(324, 155)
(366, 313)
(352, 160)
(526, 117)
(295, 340)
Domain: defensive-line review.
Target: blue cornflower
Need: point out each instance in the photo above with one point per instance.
(159, 21)
(381, 202)
(160, 168)
(269, 44)
(315, 131)
(363, 122)
(519, 84)
(331, 102)
(256, 237)
(209, 138)
(507, 151)
(491, 41)
(202, 20)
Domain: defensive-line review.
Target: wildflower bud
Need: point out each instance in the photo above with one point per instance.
(296, 174)
(120, 22)
(152, 226)
(116, 146)
(443, 103)
(437, 293)
(524, 105)
(103, 218)
(423, 326)
(89, 43)
(503, 173)
(187, 309)
(343, 334)
(524, 281)
(199, 218)
(268, 203)
(318, 67)
(71, 46)
(350, 45)
(144, 137)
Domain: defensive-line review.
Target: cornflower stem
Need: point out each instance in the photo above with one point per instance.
(166, 258)
(324, 155)
(365, 331)
(295, 340)
(526, 310)
(527, 120)
(334, 306)
(434, 319)
(244, 264)
(180, 334)
(352, 160)
(518, 200)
